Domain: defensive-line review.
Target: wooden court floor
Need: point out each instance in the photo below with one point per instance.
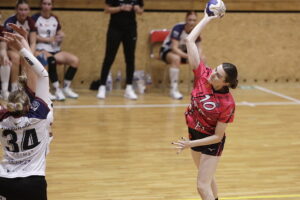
(120, 149)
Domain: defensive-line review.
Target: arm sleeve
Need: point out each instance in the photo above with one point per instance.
(31, 24)
(42, 88)
(58, 24)
(9, 20)
(175, 33)
(1, 30)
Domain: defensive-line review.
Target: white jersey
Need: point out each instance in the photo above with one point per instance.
(25, 142)
(46, 28)
(25, 139)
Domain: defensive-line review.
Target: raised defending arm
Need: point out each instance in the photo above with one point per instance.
(192, 49)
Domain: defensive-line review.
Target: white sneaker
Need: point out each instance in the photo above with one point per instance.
(59, 95)
(52, 97)
(70, 93)
(101, 92)
(5, 95)
(175, 94)
(129, 93)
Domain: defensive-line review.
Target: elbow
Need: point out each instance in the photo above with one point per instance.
(219, 139)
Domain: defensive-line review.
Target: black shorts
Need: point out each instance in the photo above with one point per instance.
(27, 188)
(212, 149)
(163, 55)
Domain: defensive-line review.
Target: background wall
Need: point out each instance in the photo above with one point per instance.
(266, 5)
(265, 46)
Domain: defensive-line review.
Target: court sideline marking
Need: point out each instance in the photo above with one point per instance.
(243, 103)
(276, 93)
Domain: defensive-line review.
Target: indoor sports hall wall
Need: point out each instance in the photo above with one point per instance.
(265, 46)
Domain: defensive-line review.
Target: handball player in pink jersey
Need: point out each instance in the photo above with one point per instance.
(211, 109)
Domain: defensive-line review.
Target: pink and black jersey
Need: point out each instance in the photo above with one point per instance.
(207, 105)
(46, 28)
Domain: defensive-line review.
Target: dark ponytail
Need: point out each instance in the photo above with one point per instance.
(232, 75)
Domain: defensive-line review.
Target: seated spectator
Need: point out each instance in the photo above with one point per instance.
(22, 19)
(48, 49)
(4, 65)
(174, 52)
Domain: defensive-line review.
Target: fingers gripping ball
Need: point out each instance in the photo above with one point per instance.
(215, 8)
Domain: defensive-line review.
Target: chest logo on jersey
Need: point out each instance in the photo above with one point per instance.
(35, 105)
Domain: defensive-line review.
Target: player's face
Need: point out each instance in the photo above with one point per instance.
(22, 11)
(47, 5)
(191, 21)
(217, 77)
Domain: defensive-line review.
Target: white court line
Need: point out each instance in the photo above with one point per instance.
(276, 93)
(244, 103)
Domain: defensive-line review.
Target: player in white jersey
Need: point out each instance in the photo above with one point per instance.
(24, 130)
(49, 38)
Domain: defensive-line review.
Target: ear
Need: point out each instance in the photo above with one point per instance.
(226, 83)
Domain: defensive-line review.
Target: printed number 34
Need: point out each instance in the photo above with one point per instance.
(29, 140)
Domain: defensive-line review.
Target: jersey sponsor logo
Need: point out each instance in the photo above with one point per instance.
(35, 105)
(29, 61)
(210, 149)
(175, 33)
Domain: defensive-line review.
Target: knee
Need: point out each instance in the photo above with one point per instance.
(176, 61)
(75, 62)
(203, 187)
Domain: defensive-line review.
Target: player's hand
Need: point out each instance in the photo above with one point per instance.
(15, 41)
(126, 7)
(19, 29)
(181, 144)
(210, 17)
(137, 8)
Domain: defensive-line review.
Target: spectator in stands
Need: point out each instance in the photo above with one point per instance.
(49, 39)
(4, 65)
(21, 18)
(174, 52)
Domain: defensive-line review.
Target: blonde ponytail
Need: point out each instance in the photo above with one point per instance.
(18, 100)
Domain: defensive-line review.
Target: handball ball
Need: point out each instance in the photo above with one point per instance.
(215, 8)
